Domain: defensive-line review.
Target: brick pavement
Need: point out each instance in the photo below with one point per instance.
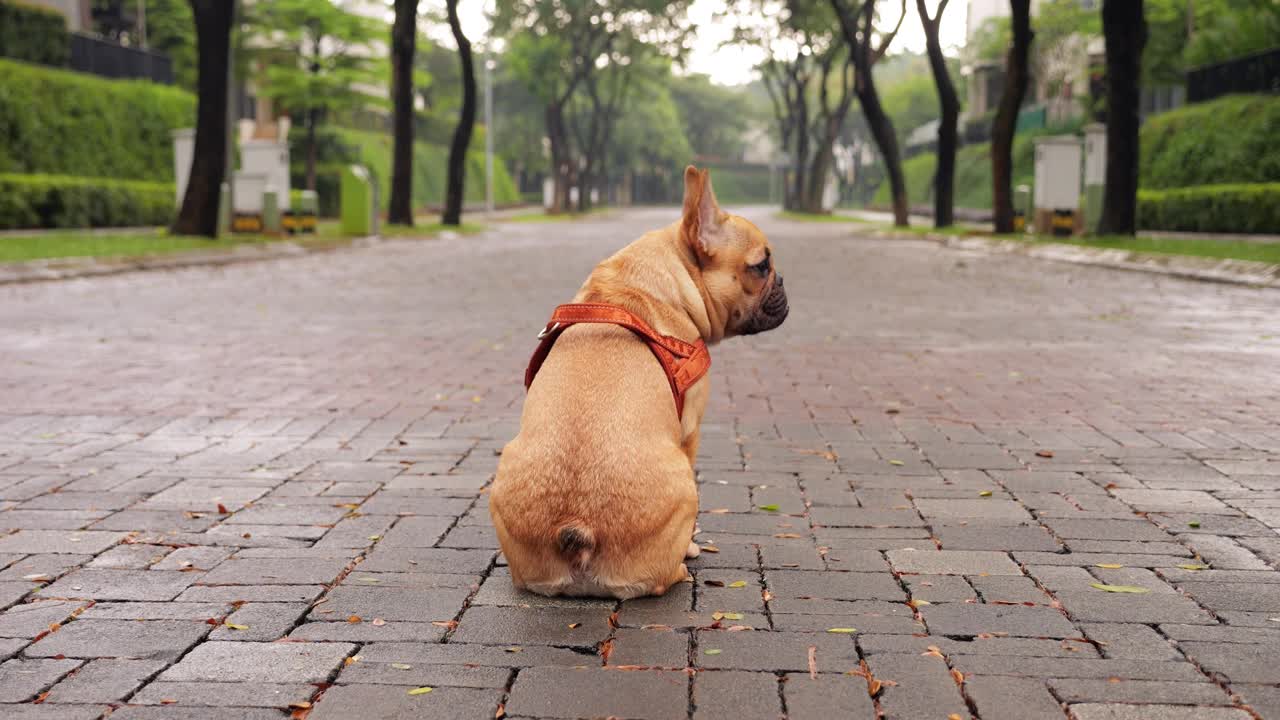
(227, 493)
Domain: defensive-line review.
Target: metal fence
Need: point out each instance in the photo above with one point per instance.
(1259, 72)
(99, 57)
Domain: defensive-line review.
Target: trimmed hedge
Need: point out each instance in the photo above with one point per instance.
(66, 123)
(33, 33)
(60, 201)
(1239, 208)
(1232, 139)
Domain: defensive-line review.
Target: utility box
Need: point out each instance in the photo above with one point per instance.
(356, 197)
(269, 159)
(184, 147)
(1057, 185)
(1095, 173)
(1021, 207)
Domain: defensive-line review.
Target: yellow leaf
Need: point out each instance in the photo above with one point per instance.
(712, 651)
(984, 493)
(574, 625)
(1190, 566)
(1109, 566)
(842, 630)
(918, 603)
(732, 616)
(234, 626)
(1120, 588)
(401, 666)
(738, 583)
(420, 691)
(896, 462)
(514, 649)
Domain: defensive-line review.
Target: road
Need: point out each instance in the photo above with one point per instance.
(226, 490)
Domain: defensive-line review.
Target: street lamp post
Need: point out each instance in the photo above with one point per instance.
(488, 127)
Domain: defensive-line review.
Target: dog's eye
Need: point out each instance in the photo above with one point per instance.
(761, 268)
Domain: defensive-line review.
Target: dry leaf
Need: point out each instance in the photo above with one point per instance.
(813, 662)
(718, 511)
(354, 619)
(222, 509)
(234, 626)
(379, 622)
(300, 705)
(1190, 566)
(738, 584)
(933, 650)
(712, 651)
(401, 666)
(954, 716)
(574, 625)
(896, 462)
(957, 676)
(514, 649)
(351, 660)
(501, 712)
(738, 628)
(1109, 566)
(1120, 588)
(450, 624)
(1044, 453)
(421, 691)
(984, 493)
(787, 536)
(713, 583)
(710, 549)
(918, 603)
(842, 630)
(163, 701)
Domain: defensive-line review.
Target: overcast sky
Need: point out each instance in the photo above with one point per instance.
(732, 65)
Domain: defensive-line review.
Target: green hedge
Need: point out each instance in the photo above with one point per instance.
(66, 123)
(60, 201)
(1239, 208)
(33, 33)
(1232, 139)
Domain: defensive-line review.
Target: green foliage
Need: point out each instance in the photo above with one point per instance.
(343, 146)
(33, 33)
(737, 185)
(910, 102)
(714, 118)
(1231, 139)
(172, 30)
(60, 122)
(60, 201)
(973, 174)
(1239, 208)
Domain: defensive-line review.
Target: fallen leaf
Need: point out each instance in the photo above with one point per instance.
(718, 511)
(933, 650)
(738, 584)
(1044, 453)
(787, 536)
(713, 583)
(710, 549)
(738, 628)
(574, 625)
(38, 577)
(712, 651)
(451, 624)
(896, 462)
(166, 701)
(1194, 524)
(954, 716)
(299, 705)
(844, 631)
(222, 509)
(1120, 588)
(813, 662)
(957, 676)
(1190, 566)
(514, 649)
(918, 603)
(769, 508)
(401, 666)
(234, 626)
(501, 712)
(984, 493)
(420, 691)
(1109, 566)
(379, 622)
(354, 619)
(375, 538)
(351, 660)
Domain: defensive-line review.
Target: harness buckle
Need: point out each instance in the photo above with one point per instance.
(548, 329)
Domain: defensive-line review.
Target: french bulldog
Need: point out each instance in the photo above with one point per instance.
(596, 494)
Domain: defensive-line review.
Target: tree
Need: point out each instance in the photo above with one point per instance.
(404, 34)
(317, 57)
(948, 138)
(1005, 123)
(555, 46)
(1125, 28)
(466, 122)
(714, 117)
(199, 214)
(858, 27)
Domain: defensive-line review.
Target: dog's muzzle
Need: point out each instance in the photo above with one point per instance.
(771, 312)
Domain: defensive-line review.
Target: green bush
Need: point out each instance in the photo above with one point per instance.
(736, 185)
(1232, 139)
(1240, 208)
(33, 33)
(973, 174)
(60, 201)
(66, 123)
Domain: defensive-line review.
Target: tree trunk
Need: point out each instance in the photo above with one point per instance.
(199, 214)
(818, 170)
(1125, 29)
(1005, 123)
(801, 158)
(559, 162)
(945, 175)
(404, 36)
(313, 120)
(882, 131)
(466, 121)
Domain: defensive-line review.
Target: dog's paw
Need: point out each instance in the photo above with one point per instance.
(693, 551)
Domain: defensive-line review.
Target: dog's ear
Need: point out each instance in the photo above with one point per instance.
(703, 218)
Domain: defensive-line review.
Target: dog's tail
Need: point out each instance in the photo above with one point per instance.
(576, 545)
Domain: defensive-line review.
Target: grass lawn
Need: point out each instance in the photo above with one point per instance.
(540, 216)
(812, 217)
(106, 243)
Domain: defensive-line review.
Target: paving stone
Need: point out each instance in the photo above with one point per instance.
(741, 694)
(463, 654)
(534, 626)
(174, 712)
(223, 694)
(774, 651)
(1237, 662)
(1016, 620)
(1008, 589)
(558, 693)
(1128, 530)
(392, 603)
(1224, 553)
(1235, 596)
(955, 537)
(952, 562)
(1138, 691)
(22, 680)
(1094, 711)
(1156, 607)
(33, 618)
(130, 557)
(10, 647)
(1130, 641)
(259, 662)
(262, 622)
(200, 558)
(925, 687)
(158, 521)
(827, 695)
(104, 681)
(95, 584)
(1222, 633)
(863, 518)
(1011, 698)
(49, 519)
(148, 640)
(1023, 647)
(255, 571)
(1076, 668)
(1173, 501)
(939, 588)
(83, 542)
(53, 712)
(834, 586)
(435, 560)
(155, 611)
(251, 593)
(398, 673)
(990, 509)
(1264, 699)
(498, 590)
(650, 648)
(366, 631)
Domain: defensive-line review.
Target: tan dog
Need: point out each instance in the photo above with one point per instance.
(596, 494)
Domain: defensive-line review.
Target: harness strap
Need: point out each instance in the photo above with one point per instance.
(684, 363)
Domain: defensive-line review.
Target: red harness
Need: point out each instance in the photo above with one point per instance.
(684, 363)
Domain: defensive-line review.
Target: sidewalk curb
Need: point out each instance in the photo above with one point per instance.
(68, 268)
(1220, 270)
